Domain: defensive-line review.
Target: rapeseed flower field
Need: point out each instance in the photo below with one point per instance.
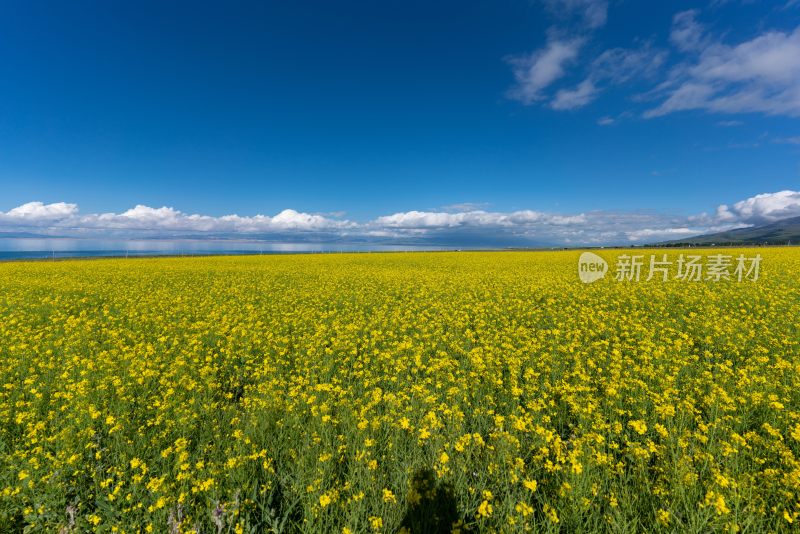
(419, 392)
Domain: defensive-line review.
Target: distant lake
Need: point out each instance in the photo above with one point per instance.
(37, 248)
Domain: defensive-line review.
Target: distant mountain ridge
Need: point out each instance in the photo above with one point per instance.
(24, 235)
(783, 232)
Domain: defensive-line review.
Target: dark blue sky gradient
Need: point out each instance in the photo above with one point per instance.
(365, 107)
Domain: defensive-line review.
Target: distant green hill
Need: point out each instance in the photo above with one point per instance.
(783, 232)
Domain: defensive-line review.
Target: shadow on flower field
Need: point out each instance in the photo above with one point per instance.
(431, 506)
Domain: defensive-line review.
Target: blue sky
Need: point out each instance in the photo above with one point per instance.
(552, 121)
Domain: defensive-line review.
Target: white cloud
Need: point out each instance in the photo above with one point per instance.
(469, 227)
(763, 208)
(757, 75)
(592, 13)
(291, 219)
(65, 217)
(35, 211)
(548, 229)
(575, 98)
(687, 34)
(146, 216)
(596, 227)
(620, 65)
(536, 71)
(478, 218)
(615, 66)
(761, 75)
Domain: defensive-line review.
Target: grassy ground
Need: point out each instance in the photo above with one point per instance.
(374, 392)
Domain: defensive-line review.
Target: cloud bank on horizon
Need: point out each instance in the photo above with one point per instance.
(706, 73)
(461, 225)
